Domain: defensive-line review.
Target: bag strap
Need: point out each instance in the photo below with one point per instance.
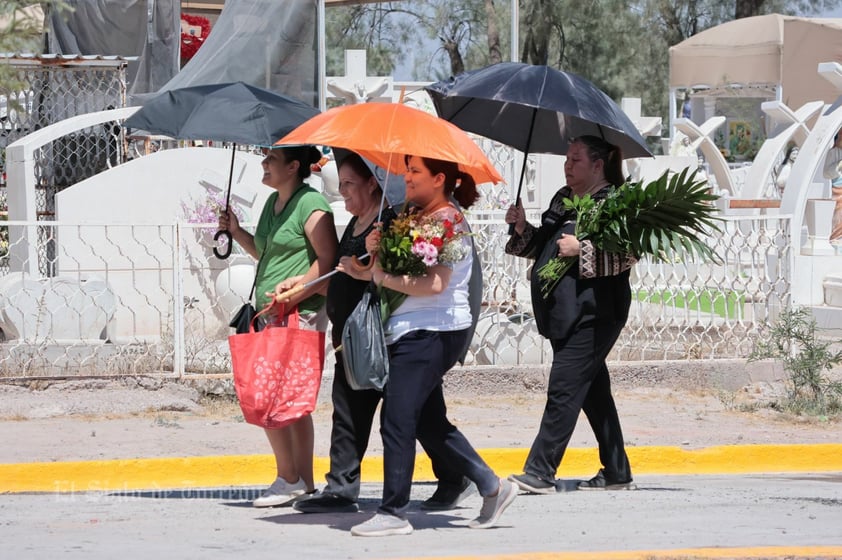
(293, 318)
(271, 234)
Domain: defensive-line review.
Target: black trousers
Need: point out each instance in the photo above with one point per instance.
(579, 381)
(413, 407)
(353, 415)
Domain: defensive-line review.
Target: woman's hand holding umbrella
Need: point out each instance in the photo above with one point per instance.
(230, 224)
(516, 217)
(285, 290)
(353, 268)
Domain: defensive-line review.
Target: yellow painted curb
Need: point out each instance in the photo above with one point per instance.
(242, 470)
(765, 552)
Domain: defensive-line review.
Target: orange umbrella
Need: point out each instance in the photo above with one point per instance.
(386, 132)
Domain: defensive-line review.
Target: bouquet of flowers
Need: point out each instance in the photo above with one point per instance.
(412, 244)
(662, 220)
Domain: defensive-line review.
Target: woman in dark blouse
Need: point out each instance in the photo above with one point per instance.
(582, 318)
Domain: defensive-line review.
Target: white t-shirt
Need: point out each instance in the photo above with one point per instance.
(446, 311)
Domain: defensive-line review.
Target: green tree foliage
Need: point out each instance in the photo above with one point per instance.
(366, 26)
(21, 30)
(467, 34)
(620, 45)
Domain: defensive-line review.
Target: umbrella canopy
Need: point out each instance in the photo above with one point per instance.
(535, 109)
(386, 132)
(233, 112)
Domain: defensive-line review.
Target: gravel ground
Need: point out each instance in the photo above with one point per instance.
(659, 403)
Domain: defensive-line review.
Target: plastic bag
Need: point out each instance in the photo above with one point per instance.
(364, 352)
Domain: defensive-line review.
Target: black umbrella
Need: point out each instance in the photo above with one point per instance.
(233, 112)
(535, 109)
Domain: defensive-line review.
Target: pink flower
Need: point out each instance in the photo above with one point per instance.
(427, 251)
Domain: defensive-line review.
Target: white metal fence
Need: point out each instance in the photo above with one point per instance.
(129, 299)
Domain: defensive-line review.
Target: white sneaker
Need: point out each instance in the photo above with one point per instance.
(281, 493)
(494, 506)
(382, 525)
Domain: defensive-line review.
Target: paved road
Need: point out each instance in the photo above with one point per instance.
(792, 515)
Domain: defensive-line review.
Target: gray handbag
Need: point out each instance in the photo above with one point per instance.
(364, 352)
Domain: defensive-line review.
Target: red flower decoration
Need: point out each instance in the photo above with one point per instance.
(190, 42)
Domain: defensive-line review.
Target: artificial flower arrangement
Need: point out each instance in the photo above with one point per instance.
(662, 220)
(194, 31)
(412, 244)
(207, 212)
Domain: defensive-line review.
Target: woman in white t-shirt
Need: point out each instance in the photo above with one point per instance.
(426, 335)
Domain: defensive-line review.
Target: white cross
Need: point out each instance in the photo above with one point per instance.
(355, 86)
(646, 126)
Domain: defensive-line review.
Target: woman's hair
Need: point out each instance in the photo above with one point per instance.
(304, 155)
(612, 157)
(356, 163)
(457, 183)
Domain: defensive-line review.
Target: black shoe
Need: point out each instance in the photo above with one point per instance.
(449, 498)
(531, 483)
(326, 503)
(599, 482)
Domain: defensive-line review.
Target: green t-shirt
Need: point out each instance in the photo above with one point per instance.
(288, 252)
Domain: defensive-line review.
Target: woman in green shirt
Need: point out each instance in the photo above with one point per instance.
(295, 242)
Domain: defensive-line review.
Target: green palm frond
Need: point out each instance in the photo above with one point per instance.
(665, 220)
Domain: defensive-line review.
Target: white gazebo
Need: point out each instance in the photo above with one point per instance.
(771, 56)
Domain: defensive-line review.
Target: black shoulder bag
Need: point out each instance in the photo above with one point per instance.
(243, 318)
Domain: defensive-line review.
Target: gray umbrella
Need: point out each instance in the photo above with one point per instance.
(535, 109)
(234, 112)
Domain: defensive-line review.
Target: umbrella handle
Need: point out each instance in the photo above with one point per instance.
(359, 263)
(227, 235)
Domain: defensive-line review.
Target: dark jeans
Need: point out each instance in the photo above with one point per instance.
(579, 381)
(413, 407)
(353, 414)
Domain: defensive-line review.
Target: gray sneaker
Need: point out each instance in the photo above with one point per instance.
(382, 525)
(281, 493)
(494, 506)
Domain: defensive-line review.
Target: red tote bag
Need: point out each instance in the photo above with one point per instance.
(277, 372)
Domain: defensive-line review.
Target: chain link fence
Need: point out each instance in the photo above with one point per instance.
(152, 299)
(46, 90)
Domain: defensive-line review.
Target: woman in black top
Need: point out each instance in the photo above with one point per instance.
(353, 411)
(582, 318)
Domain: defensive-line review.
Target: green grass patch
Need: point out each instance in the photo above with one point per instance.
(726, 304)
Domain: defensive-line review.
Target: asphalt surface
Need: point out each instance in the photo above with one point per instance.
(796, 515)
